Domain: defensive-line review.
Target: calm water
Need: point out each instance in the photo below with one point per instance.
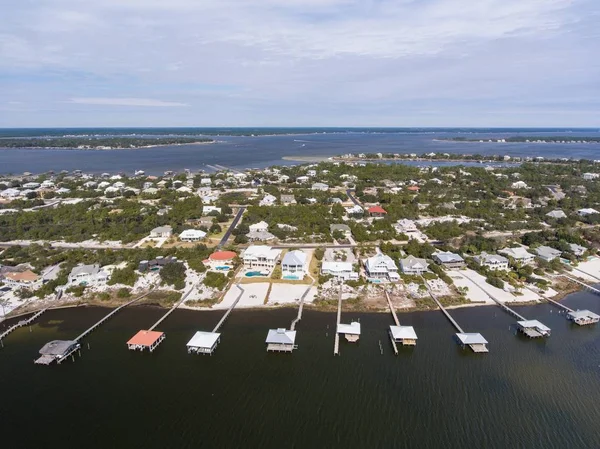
(523, 394)
(262, 151)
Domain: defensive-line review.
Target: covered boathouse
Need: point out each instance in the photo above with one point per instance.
(203, 342)
(146, 340)
(405, 335)
(281, 340)
(350, 331)
(474, 341)
(583, 317)
(533, 328)
(57, 351)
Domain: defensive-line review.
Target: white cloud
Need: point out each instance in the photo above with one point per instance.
(143, 102)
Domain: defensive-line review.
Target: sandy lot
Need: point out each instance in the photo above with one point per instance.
(254, 296)
(482, 287)
(589, 270)
(290, 294)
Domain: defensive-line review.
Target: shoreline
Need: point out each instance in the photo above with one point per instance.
(308, 306)
(107, 149)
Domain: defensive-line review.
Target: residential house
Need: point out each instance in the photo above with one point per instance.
(381, 267)
(354, 211)
(577, 250)
(556, 214)
(260, 236)
(287, 199)
(259, 227)
(22, 279)
(587, 211)
(591, 176)
(339, 270)
(192, 235)
(413, 265)
(519, 185)
(87, 275)
(162, 232)
(320, 186)
(208, 209)
(260, 257)
(492, 261)
(343, 228)
(547, 253)
(294, 263)
(221, 260)
(268, 200)
(377, 212)
(302, 179)
(405, 226)
(205, 181)
(519, 254)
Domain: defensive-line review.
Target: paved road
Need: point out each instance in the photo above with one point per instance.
(234, 223)
(352, 197)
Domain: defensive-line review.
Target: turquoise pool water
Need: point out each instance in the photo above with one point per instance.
(251, 274)
(223, 268)
(292, 277)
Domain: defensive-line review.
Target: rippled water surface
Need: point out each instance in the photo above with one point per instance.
(523, 394)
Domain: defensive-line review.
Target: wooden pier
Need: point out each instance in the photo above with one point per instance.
(579, 317)
(475, 341)
(530, 328)
(107, 317)
(583, 284)
(220, 323)
(336, 344)
(301, 305)
(404, 335)
(21, 323)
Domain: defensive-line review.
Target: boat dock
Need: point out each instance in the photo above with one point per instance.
(475, 341)
(21, 323)
(59, 350)
(284, 340)
(405, 335)
(580, 317)
(336, 344)
(530, 328)
(350, 331)
(206, 342)
(150, 339)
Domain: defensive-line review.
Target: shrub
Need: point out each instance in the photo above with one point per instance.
(215, 280)
(123, 293)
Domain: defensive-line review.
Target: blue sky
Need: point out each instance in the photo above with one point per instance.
(300, 63)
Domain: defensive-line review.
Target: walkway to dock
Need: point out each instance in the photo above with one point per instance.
(301, 305)
(496, 300)
(443, 309)
(21, 323)
(99, 323)
(336, 344)
(551, 301)
(577, 281)
(172, 309)
(220, 323)
(389, 300)
(586, 273)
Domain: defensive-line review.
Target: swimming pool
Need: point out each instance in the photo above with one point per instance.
(223, 268)
(251, 274)
(292, 277)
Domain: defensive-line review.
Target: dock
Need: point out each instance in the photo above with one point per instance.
(530, 328)
(21, 323)
(475, 341)
(150, 339)
(59, 350)
(336, 344)
(404, 335)
(579, 317)
(206, 342)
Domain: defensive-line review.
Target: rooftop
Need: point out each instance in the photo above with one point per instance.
(222, 255)
(352, 328)
(203, 339)
(281, 336)
(145, 338)
(401, 332)
(471, 339)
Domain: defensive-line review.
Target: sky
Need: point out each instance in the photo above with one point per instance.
(300, 63)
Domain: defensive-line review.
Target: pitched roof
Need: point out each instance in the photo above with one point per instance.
(281, 336)
(145, 338)
(22, 276)
(377, 210)
(222, 255)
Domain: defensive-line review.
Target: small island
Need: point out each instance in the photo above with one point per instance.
(100, 143)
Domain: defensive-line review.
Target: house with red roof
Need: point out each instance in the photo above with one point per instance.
(221, 260)
(414, 189)
(377, 212)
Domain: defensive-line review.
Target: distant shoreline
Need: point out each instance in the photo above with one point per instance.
(105, 149)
